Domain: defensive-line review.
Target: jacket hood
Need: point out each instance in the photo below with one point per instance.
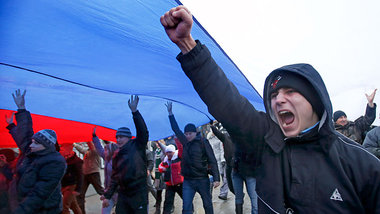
(309, 73)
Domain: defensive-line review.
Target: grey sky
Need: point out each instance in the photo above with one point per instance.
(340, 38)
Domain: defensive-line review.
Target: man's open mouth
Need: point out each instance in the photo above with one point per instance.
(286, 117)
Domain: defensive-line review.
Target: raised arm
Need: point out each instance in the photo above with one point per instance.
(162, 145)
(12, 127)
(364, 122)
(80, 148)
(228, 146)
(178, 23)
(370, 98)
(23, 132)
(142, 134)
(370, 114)
(222, 98)
(98, 146)
(173, 123)
(218, 133)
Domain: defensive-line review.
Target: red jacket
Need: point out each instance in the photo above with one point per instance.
(175, 167)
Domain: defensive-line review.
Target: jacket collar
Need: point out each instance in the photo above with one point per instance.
(175, 156)
(317, 133)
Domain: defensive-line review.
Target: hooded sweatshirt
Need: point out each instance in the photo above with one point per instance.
(319, 171)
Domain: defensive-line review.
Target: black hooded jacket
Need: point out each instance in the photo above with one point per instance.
(320, 171)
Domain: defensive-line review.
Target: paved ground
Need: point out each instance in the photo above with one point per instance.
(93, 204)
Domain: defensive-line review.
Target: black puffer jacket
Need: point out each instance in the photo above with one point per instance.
(129, 165)
(320, 171)
(39, 174)
(198, 159)
(355, 130)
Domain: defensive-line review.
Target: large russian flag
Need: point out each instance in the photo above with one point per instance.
(81, 60)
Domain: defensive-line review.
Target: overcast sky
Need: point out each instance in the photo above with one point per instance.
(340, 38)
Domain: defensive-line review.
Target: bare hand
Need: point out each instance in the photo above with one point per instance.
(370, 98)
(216, 184)
(19, 99)
(169, 106)
(178, 22)
(132, 103)
(105, 203)
(9, 120)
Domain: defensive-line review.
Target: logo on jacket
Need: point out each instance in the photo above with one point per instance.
(336, 196)
(289, 211)
(275, 82)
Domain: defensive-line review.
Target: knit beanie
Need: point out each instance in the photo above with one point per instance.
(190, 128)
(338, 114)
(46, 137)
(170, 148)
(301, 85)
(124, 131)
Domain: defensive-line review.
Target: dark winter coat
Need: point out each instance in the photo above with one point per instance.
(198, 159)
(129, 169)
(73, 175)
(355, 130)
(38, 174)
(372, 142)
(320, 171)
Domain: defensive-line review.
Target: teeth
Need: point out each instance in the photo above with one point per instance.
(282, 112)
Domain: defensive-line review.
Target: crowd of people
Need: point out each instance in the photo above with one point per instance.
(297, 157)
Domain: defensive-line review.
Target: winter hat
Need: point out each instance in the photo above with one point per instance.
(170, 148)
(190, 128)
(301, 85)
(124, 131)
(338, 114)
(46, 137)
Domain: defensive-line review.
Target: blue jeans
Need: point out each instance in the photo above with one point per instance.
(190, 187)
(250, 184)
